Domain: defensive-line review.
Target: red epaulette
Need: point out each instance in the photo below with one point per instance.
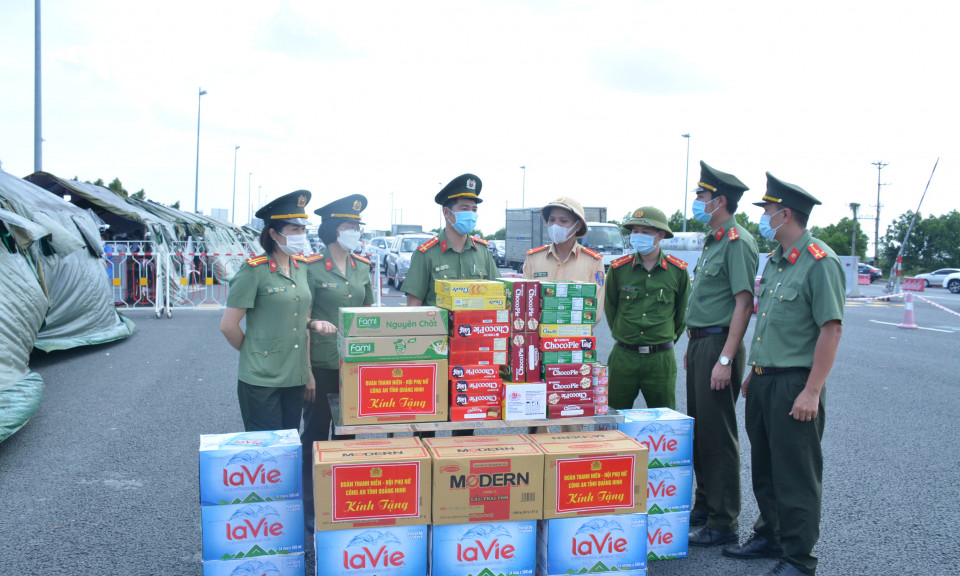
(592, 253)
(537, 249)
(362, 259)
(676, 262)
(733, 235)
(257, 260)
(817, 251)
(428, 244)
(312, 258)
(481, 240)
(621, 261)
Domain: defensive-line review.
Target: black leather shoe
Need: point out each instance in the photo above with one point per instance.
(756, 547)
(784, 568)
(698, 518)
(707, 536)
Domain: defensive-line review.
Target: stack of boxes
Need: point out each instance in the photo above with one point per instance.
(668, 436)
(525, 394)
(479, 334)
(393, 365)
(372, 499)
(252, 503)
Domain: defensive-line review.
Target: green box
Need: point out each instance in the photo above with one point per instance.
(569, 303)
(392, 348)
(568, 316)
(405, 321)
(568, 289)
(570, 357)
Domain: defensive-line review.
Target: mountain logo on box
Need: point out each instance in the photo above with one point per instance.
(265, 438)
(370, 549)
(476, 544)
(356, 349)
(368, 322)
(253, 521)
(257, 568)
(591, 544)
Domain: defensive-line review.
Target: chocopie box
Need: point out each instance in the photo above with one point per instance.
(476, 399)
(488, 548)
(284, 565)
(564, 397)
(473, 372)
(516, 295)
(471, 413)
(534, 300)
(474, 317)
(568, 317)
(611, 544)
(524, 358)
(570, 357)
(568, 289)
(473, 358)
(569, 303)
(480, 330)
(464, 386)
(250, 467)
(484, 344)
(570, 410)
(254, 529)
(394, 550)
(565, 330)
(524, 401)
(566, 383)
(568, 343)
(565, 370)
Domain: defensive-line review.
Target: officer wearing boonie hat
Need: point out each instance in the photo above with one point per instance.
(798, 329)
(453, 253)
(718, 312)
(646, 297)
(271, 291)
(338, 278)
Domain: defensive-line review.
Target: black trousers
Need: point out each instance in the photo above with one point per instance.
(317, 420)
(269, 408)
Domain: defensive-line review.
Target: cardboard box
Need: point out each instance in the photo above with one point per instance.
(478, 303)
(669, 489)
(393, 392)
(481, 330)
(568, 288)
(479, 440)
(487, 483)
(533, 306)
(594, 477)
(250, 467)
(474, 317)
(568, 316)
(570, 357)
(570, 410)
(392, 348)
(476, 399)
(566, 383)
(668, 536)
(584, 436)
(565, 370)
(284, 565)
(368, 488)
(516, 295)
(259, 528)
(526, 401)
(568, 343)
(365, 444)
(488, 358)
(469, 288)
(565, 330)
(614, 544)
(470, 413)
(398, 551)
(574, 303)
(485, 344)
(392, 322)
(485, 548)
(666, 433)
(562, 397)
(464, 386)
(524, 358)
(473, 371)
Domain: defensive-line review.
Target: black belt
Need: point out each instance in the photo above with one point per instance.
(646, 349)
(701, 332)
(764, 370)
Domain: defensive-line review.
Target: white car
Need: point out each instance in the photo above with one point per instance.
(952, 281)
(398, 258)
(936, 277)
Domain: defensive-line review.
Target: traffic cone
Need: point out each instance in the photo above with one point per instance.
(907, 321)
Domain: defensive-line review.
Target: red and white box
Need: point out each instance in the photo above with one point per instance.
(601, 409)
(481, 331)
(601, 399)
(566, 383)
(524, 357)
(602, 389)
(516, 292)
(473, 317)
(600, 370)
(476, 399)
(533, 306)
(569, 410)
(600, 380)
(467, 413)
(570, 397)
(568, 343)
(496, 359)
(484, 344)
(480, 386)
(560, 370)
(474, 372)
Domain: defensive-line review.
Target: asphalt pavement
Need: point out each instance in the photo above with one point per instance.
(103, 478)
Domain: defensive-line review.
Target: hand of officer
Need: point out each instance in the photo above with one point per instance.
(310, 390)
(806, 406)
(323, 327)
(746, 382)
(720, 377)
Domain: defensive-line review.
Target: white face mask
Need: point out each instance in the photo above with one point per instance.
(559, 234)
(348, 239)
(296, 244)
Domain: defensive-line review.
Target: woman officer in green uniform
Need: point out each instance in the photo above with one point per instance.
(337, 279)
(271, 290)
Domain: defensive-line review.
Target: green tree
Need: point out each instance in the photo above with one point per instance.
(763, 245)
(139, 195)
(500, 234)
(934, 242)
(175, 205)
(676, 224)
(838, 237)
(118, 188)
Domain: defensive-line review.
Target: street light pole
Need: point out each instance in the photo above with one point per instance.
(196, 182)
(686, 182)
(854, 289)
(523, 192)
(233, 211)
(249, 201)
(37, 108)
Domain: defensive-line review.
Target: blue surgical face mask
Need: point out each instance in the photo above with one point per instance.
(765, 230)
(465, 222)
(642, 243)
(699, 211)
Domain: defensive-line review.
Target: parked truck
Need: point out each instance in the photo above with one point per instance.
(526, 229)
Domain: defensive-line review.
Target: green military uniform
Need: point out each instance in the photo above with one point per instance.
(274, 362)
(727, 267)
(645, 311)
(802, 288)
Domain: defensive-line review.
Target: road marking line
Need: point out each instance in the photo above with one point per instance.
(918, 327)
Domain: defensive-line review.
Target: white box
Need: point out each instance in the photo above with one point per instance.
(524, 401)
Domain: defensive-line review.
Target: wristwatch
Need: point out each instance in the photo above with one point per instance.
(724, 360)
